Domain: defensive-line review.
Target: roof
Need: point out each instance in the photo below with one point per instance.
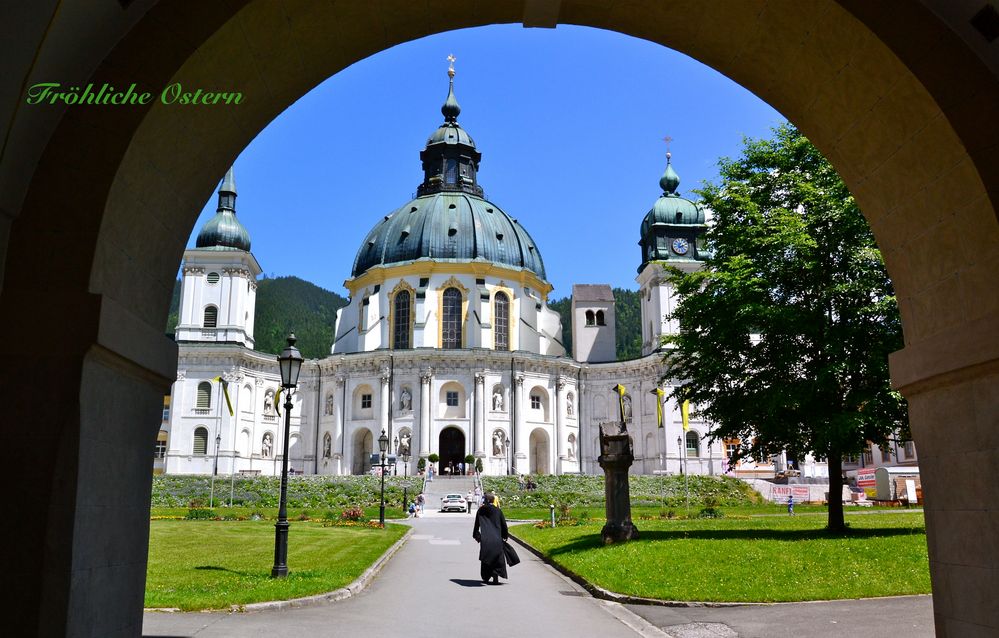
(592, 292)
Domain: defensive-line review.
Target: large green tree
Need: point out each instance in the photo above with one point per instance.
(785, 333)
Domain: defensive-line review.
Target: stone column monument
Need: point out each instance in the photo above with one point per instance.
(616, 457)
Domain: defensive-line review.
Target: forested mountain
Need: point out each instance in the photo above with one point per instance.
(627, 309)
(286, 304)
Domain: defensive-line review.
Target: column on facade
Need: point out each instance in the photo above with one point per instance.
(425, 378)
(522, 436)
(561, 445)
(383, 405)
(340, 401)
(480, 414)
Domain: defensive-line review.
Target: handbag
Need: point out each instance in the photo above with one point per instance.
(511, 554)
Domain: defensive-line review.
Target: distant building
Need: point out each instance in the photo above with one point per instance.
(447, 344)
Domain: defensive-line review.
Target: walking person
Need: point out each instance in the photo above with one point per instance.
(420, 500)
(490, 533)
(790, 505)
(468, 501)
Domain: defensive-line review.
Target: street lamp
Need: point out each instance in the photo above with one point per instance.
(215, 470)
(405, 483)
(383, 447)
(509, 457)
(395, 446)
(290, 362)
(679, 451)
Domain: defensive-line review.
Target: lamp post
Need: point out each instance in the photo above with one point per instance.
(290, 362)
(684, 470)
(506, 448)
(215, 470)
(679, 451)
(395, 446)
(383, 441)
(405, 483)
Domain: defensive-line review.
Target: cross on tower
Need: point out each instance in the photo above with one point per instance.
(450, 68)
(667, 139)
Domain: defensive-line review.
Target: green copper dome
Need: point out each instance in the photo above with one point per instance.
(449, 227)
(450, 220)
(670, 230)
(223, 231)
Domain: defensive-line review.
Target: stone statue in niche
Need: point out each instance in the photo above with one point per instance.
(329, 404)
(267, 446)
(327, 446)
(406, 400)
(269, 402)
(569, 409)
(404, 440)
(499, 446)
(627, 407)
(498, 400)
(572, 447)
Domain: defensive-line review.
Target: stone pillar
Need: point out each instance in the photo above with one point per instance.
(616, 457)
(480, 415)
(560, 443)
(425, 378)
(521, 438)
(385, 399)
(340, 401)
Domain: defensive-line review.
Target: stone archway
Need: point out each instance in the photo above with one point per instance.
(898, 97)
(539, 452)
(451, 446)
(361, 450)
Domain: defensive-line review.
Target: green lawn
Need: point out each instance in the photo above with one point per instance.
(763, 559)
(214, 564)
(596, 510)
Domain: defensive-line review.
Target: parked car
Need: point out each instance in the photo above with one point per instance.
(454, 502)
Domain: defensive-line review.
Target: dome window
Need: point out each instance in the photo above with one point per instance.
(499, 236)
(213, 278)
(451, 319)
(451, 232)
(489, 210)
(502, 321)
(451, 206)
(412, 209)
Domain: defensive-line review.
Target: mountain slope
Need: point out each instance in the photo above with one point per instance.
(627, 309)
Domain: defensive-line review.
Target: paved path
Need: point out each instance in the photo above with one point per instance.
(431, 586)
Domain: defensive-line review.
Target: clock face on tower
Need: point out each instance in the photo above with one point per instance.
(680, 246)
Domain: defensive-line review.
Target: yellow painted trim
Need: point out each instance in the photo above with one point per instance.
(426, 268)
(511, 333)
(401, 286)
(452, 282)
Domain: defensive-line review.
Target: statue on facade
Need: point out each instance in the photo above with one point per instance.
(267, 446)
(329, 404)
(498, 400)
(627, 407)
(269, 402)
(572, 447)
(327, 446)
(569, 408)
(404, 440)
(499, 447)
(406, 400)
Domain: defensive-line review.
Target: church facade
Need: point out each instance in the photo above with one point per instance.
(447, 345)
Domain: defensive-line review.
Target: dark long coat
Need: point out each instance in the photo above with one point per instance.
(490, 531)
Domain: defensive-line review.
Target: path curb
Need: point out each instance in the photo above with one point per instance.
(343, 593)
(605, 594)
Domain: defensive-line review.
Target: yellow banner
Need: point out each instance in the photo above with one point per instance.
(277, 402)
(225, 392)
(685, 414)
(621, 391)
(659, 406)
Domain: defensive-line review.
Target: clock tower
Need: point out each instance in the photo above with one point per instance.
(672, 236)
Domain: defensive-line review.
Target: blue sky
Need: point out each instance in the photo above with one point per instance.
(569, 122)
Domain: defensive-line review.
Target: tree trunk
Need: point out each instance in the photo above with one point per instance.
(835, 464)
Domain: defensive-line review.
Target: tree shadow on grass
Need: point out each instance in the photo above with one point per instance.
(593, 541)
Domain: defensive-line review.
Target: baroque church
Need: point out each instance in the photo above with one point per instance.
(447, 345)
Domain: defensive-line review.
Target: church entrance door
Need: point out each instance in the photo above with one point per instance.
(452, 448)
(363, 445)
(539, 452)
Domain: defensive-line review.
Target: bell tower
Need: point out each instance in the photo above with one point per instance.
(219, 284)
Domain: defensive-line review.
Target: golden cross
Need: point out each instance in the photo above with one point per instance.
(667, 139)
(451, 59)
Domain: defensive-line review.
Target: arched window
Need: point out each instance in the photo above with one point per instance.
(400, 315)
(211, 317)
(451, 319)
(693, 444)
(204, 396)
(600, 318)
(590, 318)
(502, 321)
(200, 441)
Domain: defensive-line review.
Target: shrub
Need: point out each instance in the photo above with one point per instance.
(433, 458)
(352, 514)
(200, 514)
(710, 512)
(421, 464)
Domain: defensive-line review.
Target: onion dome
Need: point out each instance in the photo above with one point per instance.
(223, 231)
(671, 228)
(449, 220)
